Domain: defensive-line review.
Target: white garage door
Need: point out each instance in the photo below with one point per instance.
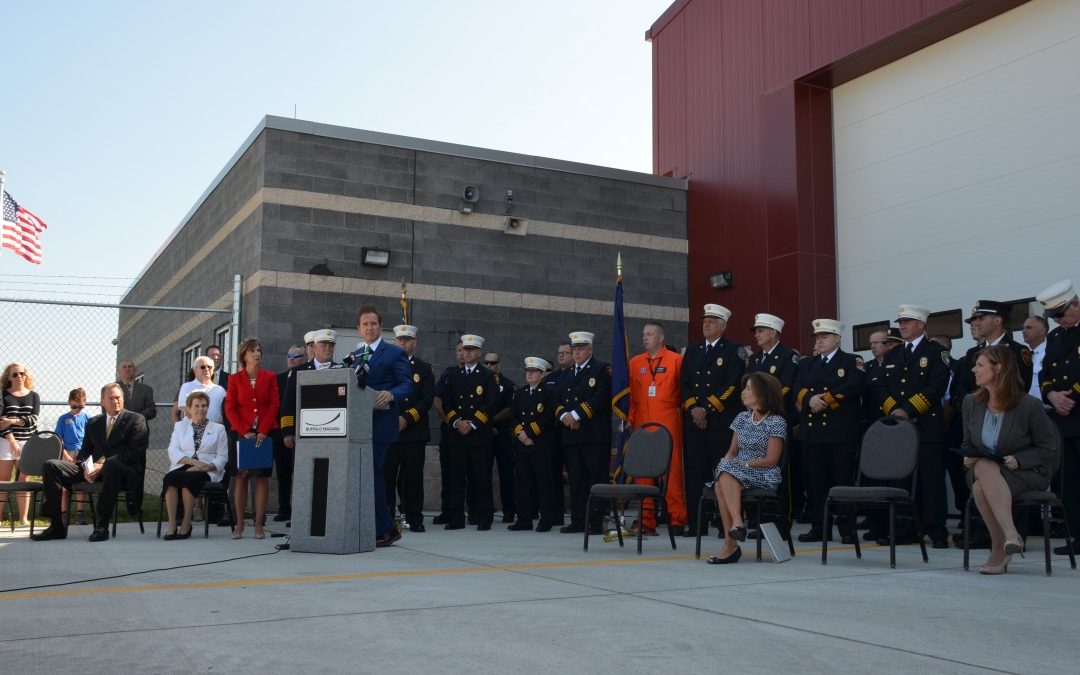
(958, 169)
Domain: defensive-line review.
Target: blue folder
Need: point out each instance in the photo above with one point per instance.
(250, 457)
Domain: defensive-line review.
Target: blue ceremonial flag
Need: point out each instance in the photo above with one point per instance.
(620, 374)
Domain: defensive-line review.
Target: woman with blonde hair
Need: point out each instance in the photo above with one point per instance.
(18, 422)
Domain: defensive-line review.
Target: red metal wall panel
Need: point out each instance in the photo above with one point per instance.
(743, 107)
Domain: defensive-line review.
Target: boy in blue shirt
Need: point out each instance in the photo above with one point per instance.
(71, 427)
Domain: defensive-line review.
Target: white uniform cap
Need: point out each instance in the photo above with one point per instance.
(913, 312)
(580, 337)
(309, 337)
(405, 330)
(472, 341)
(324, 335)
(768, 321)
(828, 326)
(536, 363)
(718, 311)
(1057, 296)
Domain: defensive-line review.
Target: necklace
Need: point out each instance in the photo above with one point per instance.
(756, 421)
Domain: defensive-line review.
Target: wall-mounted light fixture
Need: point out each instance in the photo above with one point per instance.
(720, 280)
(374, 257)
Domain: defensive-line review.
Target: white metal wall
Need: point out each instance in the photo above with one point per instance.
(958, 169)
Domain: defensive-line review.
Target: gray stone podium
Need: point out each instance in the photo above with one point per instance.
(333, 500)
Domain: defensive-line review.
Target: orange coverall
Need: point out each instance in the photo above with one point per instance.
(664, 407)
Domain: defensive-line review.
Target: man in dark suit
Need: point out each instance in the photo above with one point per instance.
(828, 395)
(116, 443)
(405, 463)
(285, 456)
(911, 386)
(138, 397)
(467, 399)
(709, 385)
(445, 433)
(564, 362)
(384, 368)
(585, 415)
(502, 441)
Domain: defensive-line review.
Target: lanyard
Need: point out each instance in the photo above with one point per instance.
(654, 371)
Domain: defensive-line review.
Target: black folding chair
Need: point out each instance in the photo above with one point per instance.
(647, 455)
(38, 449)
(890, 453)
(91, 490)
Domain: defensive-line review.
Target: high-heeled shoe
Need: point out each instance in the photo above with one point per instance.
(1014, 546)
(260, 535)
(238, 533)
(1000, 568)
(170, 537)
(738, 533)
(733, 558)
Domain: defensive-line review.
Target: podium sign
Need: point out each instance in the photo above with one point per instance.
(333, 488)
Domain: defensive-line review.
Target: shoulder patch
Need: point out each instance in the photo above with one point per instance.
(795, 358)
(741, 352)
(860, 364)
(945, 358)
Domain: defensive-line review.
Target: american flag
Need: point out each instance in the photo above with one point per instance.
(21, 230)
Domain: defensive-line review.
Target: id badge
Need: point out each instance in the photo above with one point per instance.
(652, 390)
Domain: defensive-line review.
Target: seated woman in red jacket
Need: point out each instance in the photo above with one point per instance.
(251, 405)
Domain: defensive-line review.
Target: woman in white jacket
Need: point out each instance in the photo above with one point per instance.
(198, 452)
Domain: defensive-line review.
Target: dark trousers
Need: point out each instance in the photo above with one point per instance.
(1070, 469)
(586, 465)
(558, 485)
(444, 469)
(535, 493)
(384, 522)
(702, 451)
(472, 463)
(284, 460)
(59, 475)
(405, 474)
(827, 465)
(796, 477)
(502, 449)
(930, 489)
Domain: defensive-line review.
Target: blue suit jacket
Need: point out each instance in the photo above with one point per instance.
(389, 370)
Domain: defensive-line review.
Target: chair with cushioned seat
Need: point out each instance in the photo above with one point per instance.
(647, 455)
(889, 454)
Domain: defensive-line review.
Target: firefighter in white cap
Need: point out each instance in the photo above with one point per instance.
(1059, 381)
(324, 340)
(533, 422)
(709, 385)
(405, 461)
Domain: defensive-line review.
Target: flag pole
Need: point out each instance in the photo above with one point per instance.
(2, 193)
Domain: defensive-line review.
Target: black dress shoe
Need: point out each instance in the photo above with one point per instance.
(522, 526)
(543, 527)
(733, 558)
(225, 521)
(473, 520)
(901, 540)
(691, 532)
(572, 529)
(440, 519)
(848, 539)
(813, 535)
(678, 531)
(484, 526)
(508, 517)
(170, 537)
(1064, 550)
(871, 535)
(282, 516)
(99, 534)
(388, 539)
(455, 525)
(417, 526)
(54, 531)
(939, 542)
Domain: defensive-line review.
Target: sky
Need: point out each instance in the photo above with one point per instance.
(119, 114)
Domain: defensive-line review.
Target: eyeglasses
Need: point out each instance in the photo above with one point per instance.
(294, 356)
(205, 367)
(491, 363)
(17, 375)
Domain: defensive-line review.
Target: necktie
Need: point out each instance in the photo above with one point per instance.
(366, 356)
(824, 360)
(910, 349)
(109, 427)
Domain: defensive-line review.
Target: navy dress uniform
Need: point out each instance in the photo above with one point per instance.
(710, 379)
(469, 400)
(830, 436)
(1060, 374)
(532, 413)
(964, 380)
(914, 377)
(405, 461)
(782, 362)
(287, 412)
(552, 381)
(585, 395)
(503, 448)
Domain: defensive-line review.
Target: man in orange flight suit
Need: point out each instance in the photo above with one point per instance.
(654, 397)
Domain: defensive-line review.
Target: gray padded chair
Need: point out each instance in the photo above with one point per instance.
(1044, 501)
(38, 449)
(890, 454)
(647, 455)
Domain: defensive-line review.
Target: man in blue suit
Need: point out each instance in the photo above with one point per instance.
(384, 368)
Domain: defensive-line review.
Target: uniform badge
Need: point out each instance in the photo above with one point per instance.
(945, 359)
(496, 378)
(416, 377)
(741, 353)
(795, 358)
(840, 372)
(479, 389)
(772, 369)
(540, 407)
(720, 361)
(643, 370)
(924, 362)
(592, 381)
(860, 364)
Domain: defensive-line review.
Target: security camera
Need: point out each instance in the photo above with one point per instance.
(471, 194)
